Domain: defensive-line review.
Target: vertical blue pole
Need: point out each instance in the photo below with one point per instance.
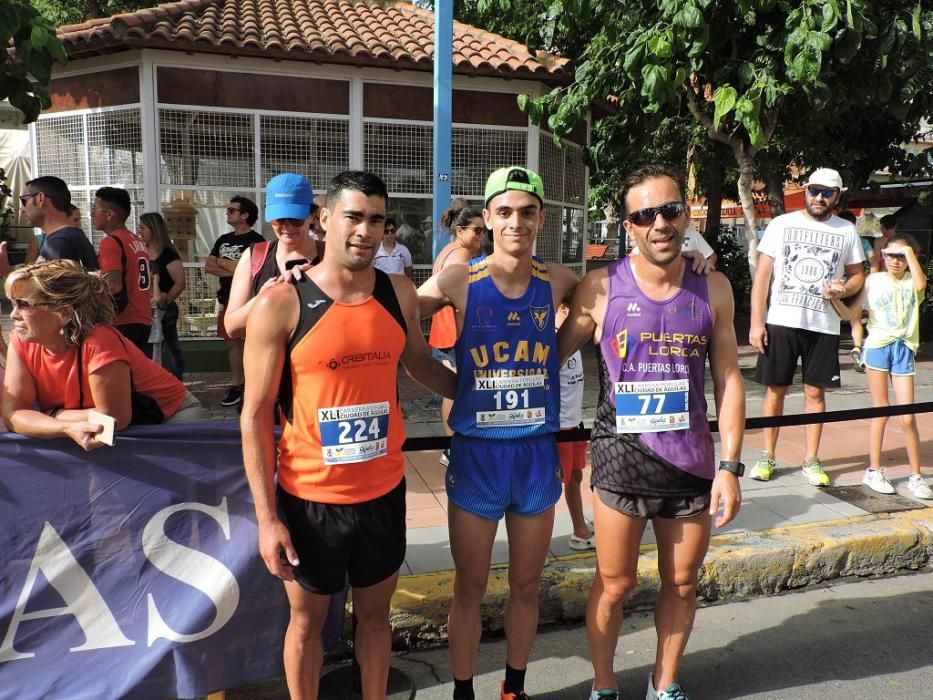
(443, 70)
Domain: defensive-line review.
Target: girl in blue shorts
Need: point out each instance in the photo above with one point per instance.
(894, 297)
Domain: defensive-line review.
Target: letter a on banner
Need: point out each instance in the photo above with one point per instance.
(82, 599)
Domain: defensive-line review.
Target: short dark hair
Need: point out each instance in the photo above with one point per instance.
(390, 222)
(117, 198)
(888, 221)
(363, 181)
(55, 190)
(650, 172)
(248, 207)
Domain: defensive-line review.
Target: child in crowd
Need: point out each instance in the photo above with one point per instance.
(573, 454)
(893, 296)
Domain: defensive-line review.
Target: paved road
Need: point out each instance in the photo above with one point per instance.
(869, 639)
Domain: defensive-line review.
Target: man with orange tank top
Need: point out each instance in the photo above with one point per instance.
(338, 510)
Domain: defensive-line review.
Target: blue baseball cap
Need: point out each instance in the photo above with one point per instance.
(288, 196)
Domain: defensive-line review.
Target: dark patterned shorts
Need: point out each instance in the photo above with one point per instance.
(649, 507)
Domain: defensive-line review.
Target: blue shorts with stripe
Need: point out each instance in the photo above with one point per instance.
(489, 477)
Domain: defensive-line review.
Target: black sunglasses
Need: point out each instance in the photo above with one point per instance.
(824, 192)
(23, 198)
(233, 210)
(645, 216)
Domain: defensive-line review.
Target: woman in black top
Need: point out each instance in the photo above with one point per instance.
(167, 263)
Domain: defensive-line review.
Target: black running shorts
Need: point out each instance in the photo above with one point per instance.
(818, 352)
(363, 540)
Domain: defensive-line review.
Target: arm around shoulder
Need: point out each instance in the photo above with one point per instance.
(416, 357)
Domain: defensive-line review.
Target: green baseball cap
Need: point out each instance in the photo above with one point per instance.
(514, 178)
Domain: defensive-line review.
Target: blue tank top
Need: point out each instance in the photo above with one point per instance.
(508, 379)
(654, 354)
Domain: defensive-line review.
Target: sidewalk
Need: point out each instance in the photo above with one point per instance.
(787, 534)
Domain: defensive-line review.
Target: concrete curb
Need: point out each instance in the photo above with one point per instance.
(739, 565)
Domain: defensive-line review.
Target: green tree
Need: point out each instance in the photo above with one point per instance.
(802, 78)
(26, 71)
(60, 12)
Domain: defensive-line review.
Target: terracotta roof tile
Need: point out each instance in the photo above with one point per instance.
(380, 33)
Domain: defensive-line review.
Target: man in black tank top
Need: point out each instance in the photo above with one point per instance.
(679, 504)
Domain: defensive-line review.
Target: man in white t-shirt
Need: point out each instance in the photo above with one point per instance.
(799, 254)
(392, 257)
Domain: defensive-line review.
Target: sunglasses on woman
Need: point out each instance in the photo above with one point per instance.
(24, 304)
(669, 211)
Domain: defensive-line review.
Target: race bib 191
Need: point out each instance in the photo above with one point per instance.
(510, 401)
(354, 433)
(652, 406)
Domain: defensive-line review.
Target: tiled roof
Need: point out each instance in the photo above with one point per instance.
(375, 33)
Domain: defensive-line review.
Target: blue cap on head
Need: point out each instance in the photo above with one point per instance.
(288, 196)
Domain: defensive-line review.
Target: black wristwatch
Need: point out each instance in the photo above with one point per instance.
(732, 465)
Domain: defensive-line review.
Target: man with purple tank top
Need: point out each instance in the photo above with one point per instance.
(657, 323)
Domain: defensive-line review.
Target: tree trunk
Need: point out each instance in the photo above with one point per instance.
(774, 182)
(713, 189)
(745, 157)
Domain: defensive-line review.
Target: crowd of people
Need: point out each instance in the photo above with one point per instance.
(503, 352)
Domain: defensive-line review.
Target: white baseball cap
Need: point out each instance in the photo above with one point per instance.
(827, 177)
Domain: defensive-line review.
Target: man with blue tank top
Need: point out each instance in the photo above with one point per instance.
(503, 458)
(657, 323)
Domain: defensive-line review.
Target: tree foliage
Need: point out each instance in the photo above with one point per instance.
(839, 82)
(25, 73)
(60, 12)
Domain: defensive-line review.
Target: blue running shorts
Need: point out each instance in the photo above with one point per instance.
(896, 358)
(489, 477)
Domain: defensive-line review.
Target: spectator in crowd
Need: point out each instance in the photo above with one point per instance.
(466, 227)
(264, 263)
(801, 252)
(125, 264)
(317, 229)
(45, 203)
(893, 298)
(66, 357)
(242, 214)
(888, 229)
(170, 273)
(392, 257)
(35, 243)
(858, 332)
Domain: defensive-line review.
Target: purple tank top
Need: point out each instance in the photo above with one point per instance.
(655, 356)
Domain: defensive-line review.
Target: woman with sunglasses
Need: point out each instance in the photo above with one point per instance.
(894, 297)
(67, 357)
(467, 230)
(171, 282)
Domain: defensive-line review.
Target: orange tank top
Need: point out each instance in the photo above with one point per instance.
(342, 424)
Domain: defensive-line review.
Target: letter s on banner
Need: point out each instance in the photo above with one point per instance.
(82, 599)
(190, 566)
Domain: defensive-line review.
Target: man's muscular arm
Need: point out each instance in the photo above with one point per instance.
(416, 357)
(580, 324)
(267, 336)
(729, 395)
(446, 287)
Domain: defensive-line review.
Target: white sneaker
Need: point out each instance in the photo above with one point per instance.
(672, 692)
(444, 458)
(877, 480)
(919, 488)
(582, 544)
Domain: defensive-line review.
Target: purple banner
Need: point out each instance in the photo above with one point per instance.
(133, 569)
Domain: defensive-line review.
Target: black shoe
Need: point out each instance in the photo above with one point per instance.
(233, 396)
